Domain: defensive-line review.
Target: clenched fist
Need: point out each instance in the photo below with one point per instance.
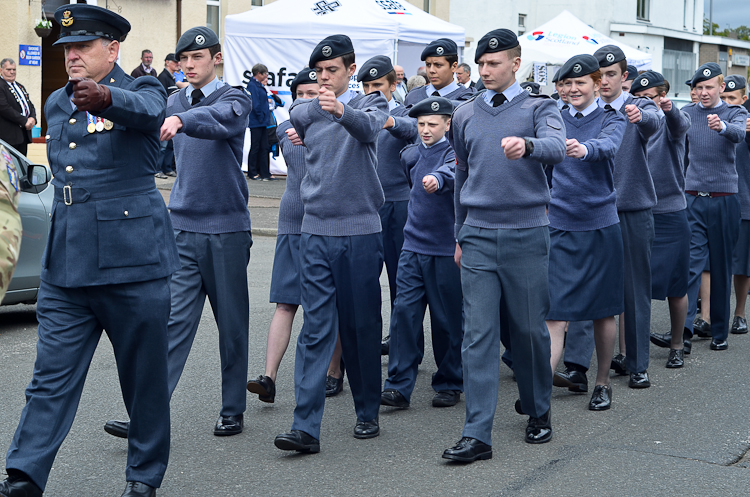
(633, 113)
(714, 122)
(89, 96)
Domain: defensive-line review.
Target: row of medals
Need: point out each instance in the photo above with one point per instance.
(101, 125)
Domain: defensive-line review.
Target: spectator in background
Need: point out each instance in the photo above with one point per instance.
(401, 91)
(17, 113)
(145, 69)
(415, 82)
(463, 75)
(257, 159)
(422, 71)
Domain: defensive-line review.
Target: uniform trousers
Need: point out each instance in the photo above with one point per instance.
(71, 321)
(340, 295)
(213, 266)
(393, 219)
(715, 227)
(435, 281)
(166, 156)
(579, 344)
(505, 287)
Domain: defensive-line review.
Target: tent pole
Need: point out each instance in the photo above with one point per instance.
(395, 52)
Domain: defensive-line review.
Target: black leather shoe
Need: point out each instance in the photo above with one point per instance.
(138, 489)
(227, 426)
(264, 386)
(573, 380)
(117, 428)
(334, 386)
(739, 325)
(393, 398)
(19, 486)
(385, 345)
(297, 440)
(663, 340)
(701, 328)
(446, 398)
(676, 359)
(601, 399)
(639, 380)
(367, 429)
(539, 430)
(468, 450)
(618, 365)
(716, 345)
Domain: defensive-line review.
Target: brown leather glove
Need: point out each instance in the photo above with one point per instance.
(89, 96)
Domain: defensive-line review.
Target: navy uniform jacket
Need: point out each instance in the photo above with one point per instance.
(116, 228)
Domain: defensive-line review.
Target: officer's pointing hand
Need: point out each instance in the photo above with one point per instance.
(89, 96)
(171, 126)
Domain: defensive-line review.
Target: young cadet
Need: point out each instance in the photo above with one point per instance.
(377, 74)
(441, 60)
(427, 274)
(285, 278)
(503, 241)
(628, 83)
(670, 255)
(208, 207)
(711, 185)
(531, 87)
(341, 249)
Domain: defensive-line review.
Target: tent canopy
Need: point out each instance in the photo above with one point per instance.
(565, 36)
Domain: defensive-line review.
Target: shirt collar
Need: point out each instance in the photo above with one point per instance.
(721, 102)
(510, 93)
(450, 88)
(392, 103)
(145, 69)
(347, 96)
(211, 87)
(588, 110)
(616, 103)
(436, 143)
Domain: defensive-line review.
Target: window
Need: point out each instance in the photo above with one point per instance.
(426, 6)
(642, 10)
(521, 20)
(213, 15)
(257, 3)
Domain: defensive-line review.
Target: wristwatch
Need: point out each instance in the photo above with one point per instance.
(529, 147)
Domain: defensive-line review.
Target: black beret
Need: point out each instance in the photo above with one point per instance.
(608, 55)
(734, 82)
(632, 73)
(530, 87)
(441, 47)
(375, 68)
(306, 76)
(689, 82)
(496, 40)
(705, 72)
(196, 39)
(171, 56)
(648, 79)
(578, 66)
(82, 22)
(330, 48)
(433, 106)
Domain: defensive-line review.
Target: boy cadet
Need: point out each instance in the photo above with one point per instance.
(441, 60)
(208, 207)
(628, 83)
(427, 274)
(378, 74)
(711, 185)
(107, 261)
(341, 249)
(501, 226)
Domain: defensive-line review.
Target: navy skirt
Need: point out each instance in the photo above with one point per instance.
(285, 279)
(586, 274)
(670, 255)
(741, 257)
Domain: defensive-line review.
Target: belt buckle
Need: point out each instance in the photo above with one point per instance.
(704, 194)
(68, 195)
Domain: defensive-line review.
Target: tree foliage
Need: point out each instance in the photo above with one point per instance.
(741, 32)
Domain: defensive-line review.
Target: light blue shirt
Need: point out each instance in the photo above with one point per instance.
(439, 141)
(616, 103)
(588, 110)
(445, 90)
(207, 89)
(392, 103)
(510, 93)
(560, 103)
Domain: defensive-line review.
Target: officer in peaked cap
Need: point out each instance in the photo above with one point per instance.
(108, 260)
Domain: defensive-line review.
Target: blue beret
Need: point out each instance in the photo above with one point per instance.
(608, 55)
(632, 73)
(196, 39)
(734, 82)
(689, 82)
(83, 22)
(496, 40)
(330, 48)
(306, 76)
(530, 87)
(375, 68)
(441, 47)
(578, 66)
(648, 79)
(705, 72)
(433, 106)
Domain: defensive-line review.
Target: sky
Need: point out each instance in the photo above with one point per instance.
(733, 12)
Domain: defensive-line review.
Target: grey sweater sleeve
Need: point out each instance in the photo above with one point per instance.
(549, 142)
(225, 118)
(365, 121)
(456, 139)
(650, 122)
(445, 173)
(678, 123)
(736, 125)
(605, 145)
(405, 129)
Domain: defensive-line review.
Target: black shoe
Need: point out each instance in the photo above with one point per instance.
(117, 428)
(138, 489)
(539, 430)
(227, 426)
(264, 387)
(639, 380)
(601, 399)
(716, 345)
(446, 398)
(468, 450)
(739, 325)
(385, 345)
(618, 365)
(171, 174)
(663, 340)
(701, 328)
(393, 398)
(572, 379)
(676, 358)
(334, 386)
(255, 178)
(19, 486)
(297, 440)
(518, 407)
(367, 429)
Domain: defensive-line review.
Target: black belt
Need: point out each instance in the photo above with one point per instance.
(707, 194)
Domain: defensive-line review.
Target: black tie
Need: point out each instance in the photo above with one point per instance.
(607, 107)
(498, 99)
(435, 93)
(579, 115)
(197, 97)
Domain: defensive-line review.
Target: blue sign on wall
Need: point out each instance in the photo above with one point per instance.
(29, 55)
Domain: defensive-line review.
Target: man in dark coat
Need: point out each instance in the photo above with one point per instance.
(17, 113)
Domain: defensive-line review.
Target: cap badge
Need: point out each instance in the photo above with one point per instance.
(435, 106)
(440, 50)
(528, 89)
(200, 39)
(313, 75)
(577, 68)
(67, 19)
(731, 85)
(644, 82)
(327, 51)
(707, 72)
(493, 43)
(610, 57)
(373, 72)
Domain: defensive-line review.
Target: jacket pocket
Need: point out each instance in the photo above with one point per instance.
(125, 231)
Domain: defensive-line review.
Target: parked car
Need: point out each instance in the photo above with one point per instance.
(35, 207)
